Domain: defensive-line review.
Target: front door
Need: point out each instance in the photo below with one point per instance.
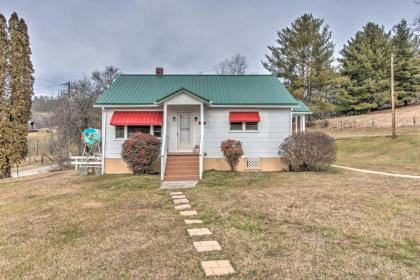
(184, 132)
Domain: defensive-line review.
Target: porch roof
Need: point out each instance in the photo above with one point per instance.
(217, 89)
(302, 108)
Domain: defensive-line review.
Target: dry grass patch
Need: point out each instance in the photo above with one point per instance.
(334, 224)
(308, 225)
(65, 226)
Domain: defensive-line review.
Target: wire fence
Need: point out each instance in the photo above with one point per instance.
(367, 122)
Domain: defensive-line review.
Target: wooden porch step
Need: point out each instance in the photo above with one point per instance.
(182, 167)
(182, 178)
(177, 160)
(183, 154)
(170, 172)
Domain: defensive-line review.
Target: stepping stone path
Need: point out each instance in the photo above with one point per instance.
(198, 231)
(176, 193)
(211, 267)
(207, 246)
(188, 213)
(190, 222)
(182, 207)
(178, 196)
(181, 200)
(221, 267)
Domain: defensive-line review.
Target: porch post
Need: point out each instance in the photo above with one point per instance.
(201, 140)
(296, 124)
(164, 142)
(302, 123)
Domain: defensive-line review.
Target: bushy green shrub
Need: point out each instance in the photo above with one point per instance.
(232, 151)
(140, 151)
(308, 151)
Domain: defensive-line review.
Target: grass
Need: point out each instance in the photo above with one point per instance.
(400, 155)
(270, 226)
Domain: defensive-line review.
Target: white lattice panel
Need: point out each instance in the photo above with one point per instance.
(253, 163)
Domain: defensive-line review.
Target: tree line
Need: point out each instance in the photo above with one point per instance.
(71, 111)
(303, 57)
(16, 90)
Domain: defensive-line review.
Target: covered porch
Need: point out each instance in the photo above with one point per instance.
(183, 131)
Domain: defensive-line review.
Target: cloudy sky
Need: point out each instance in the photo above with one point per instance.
(72, 38)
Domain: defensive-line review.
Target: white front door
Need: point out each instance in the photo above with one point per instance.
(184, 132)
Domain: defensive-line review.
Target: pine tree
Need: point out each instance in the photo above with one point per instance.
(16, 90)
(21, 86)
(5, 128)
(407, 69)
(366, 62)
(303, 57)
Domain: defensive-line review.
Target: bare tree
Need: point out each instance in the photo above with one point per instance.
(60, 132)
(236, 65)
(103, 79)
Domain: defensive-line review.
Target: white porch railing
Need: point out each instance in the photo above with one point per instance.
(78, 161)
(201, 155)
(163, 157)
(164, 147)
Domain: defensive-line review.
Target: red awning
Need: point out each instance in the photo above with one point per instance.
(137, 118)
(244, 117)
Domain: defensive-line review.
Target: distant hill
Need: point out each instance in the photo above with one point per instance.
(378, 119)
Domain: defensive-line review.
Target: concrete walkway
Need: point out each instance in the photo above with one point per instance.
(32, 171)
(377, 172)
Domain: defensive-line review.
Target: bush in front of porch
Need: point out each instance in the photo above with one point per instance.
(140, 151)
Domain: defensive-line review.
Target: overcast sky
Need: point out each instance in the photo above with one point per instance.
(70, 39)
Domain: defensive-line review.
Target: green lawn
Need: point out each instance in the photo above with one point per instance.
(400, 155)
(334, 224)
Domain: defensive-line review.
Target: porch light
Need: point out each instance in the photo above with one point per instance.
(196, 118)
(174, 118)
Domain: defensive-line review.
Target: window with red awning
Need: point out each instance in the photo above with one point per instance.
(136, 118)
(238, 117)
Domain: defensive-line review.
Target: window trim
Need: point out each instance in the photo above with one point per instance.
(244, 130)
(152, 132)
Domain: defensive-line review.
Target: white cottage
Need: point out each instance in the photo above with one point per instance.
(193, 114)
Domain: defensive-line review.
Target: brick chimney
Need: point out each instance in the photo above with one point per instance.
(159, 71)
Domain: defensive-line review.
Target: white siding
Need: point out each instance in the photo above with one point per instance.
(273, 128)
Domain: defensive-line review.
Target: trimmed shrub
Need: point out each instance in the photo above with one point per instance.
(140, 151)
(308, 151)
(232, 151)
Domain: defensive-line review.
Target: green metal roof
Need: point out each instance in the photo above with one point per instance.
(217, 89)
(302, 107)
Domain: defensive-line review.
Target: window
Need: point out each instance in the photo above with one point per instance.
(133, 129)
(119, 132)
(157, 130)
(236, 126)
(244, 126)
(253, 126)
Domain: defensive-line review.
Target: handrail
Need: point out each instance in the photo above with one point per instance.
(163, 156)
(201, 154)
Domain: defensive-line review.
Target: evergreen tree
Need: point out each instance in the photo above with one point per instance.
(366, 62)
(16, 90)
(5, 130)
(406, 63)
(303, 57)
(21, 85)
